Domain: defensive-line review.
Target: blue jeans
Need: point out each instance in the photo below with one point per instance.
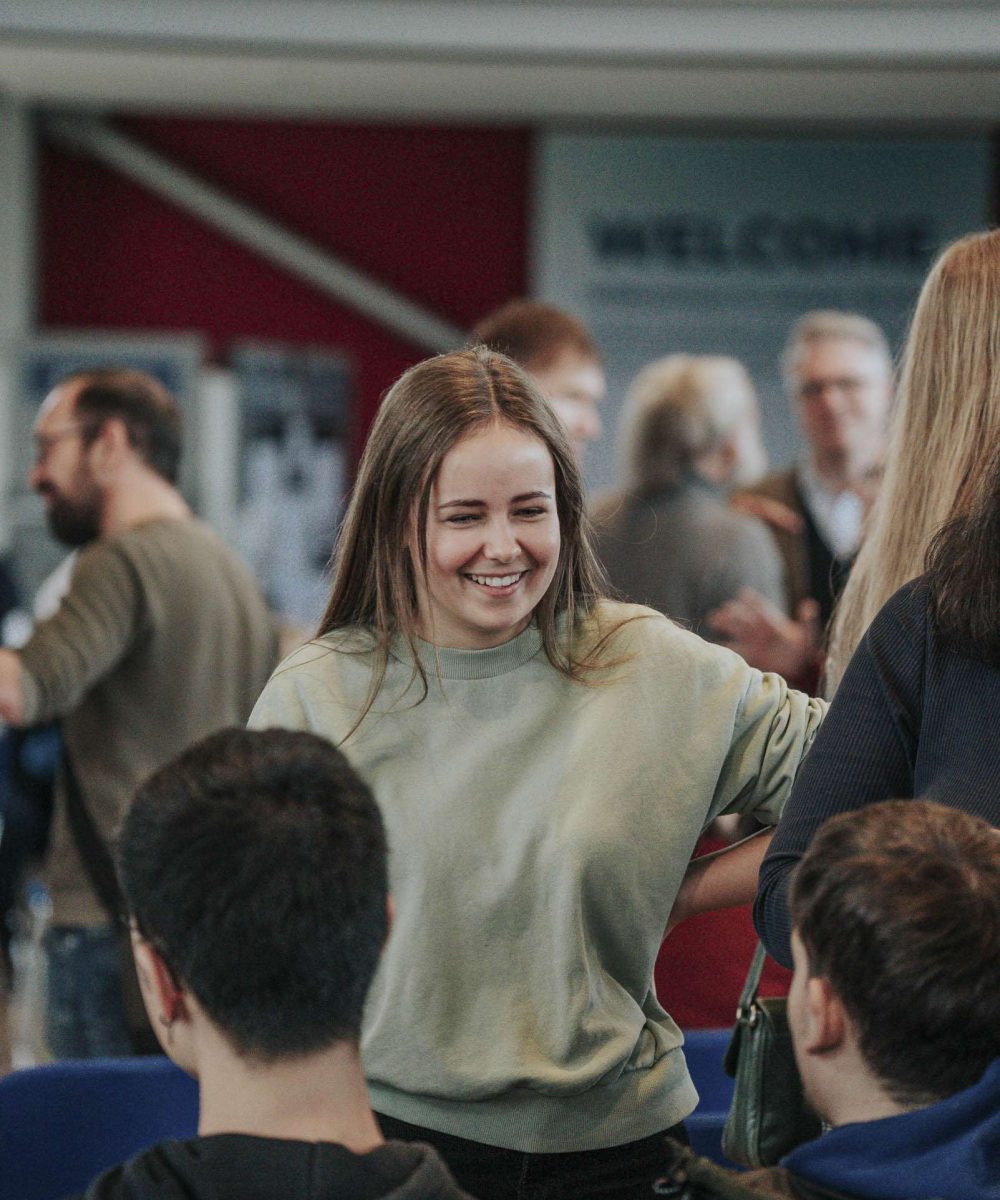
(85, 1015)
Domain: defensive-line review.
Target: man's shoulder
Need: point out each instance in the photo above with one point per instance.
(778, 485)
(724, 529)
(175, 539)
(205, 1166)
(427, 1176)
(182, 555)
(100, 567)
(169, 536)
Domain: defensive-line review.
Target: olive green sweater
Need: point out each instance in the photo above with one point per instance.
(539, 830)
(162, 638)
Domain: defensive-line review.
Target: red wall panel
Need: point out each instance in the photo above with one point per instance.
(440, 214)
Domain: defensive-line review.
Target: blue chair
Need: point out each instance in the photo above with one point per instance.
(63, 1124)
(704, 1050)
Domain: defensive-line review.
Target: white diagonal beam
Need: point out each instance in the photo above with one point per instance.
(261, 235)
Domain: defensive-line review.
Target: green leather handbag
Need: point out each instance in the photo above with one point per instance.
(769, 1115)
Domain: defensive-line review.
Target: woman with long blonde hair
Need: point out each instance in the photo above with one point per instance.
(545, 760)
(945, 425)
(916, 709)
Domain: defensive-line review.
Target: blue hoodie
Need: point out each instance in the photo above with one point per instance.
(947, 1151)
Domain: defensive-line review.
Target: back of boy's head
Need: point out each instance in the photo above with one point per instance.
(897, 906)
(255, 863)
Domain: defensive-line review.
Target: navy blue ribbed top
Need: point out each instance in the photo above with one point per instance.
(912, 718)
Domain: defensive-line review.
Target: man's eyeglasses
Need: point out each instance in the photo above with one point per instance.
(849, 385)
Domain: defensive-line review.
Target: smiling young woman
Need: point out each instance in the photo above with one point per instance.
(545, 760)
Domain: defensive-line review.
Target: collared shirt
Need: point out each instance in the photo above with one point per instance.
(838, 515)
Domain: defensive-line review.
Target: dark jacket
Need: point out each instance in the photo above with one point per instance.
(945, 1151)
(232, 1166)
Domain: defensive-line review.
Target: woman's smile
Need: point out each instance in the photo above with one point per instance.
(498, 584)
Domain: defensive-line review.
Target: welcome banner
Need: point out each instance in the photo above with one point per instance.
(716, 245)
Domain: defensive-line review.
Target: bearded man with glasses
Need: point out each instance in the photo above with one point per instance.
(162, 637)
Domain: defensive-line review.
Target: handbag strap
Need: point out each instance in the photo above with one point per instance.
(94, 854)
(749, 993)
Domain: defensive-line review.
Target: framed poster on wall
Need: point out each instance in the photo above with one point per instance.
(294, 406)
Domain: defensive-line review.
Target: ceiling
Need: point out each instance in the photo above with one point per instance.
(759, 62)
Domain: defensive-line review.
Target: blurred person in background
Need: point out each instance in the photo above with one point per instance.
(555, 348)
(14, 845)
(29, 760)
(837, 369)
(162, 636)
(690, 432)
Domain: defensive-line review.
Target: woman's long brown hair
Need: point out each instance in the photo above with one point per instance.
(423, 415)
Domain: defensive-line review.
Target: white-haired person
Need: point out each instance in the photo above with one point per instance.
(690, 433)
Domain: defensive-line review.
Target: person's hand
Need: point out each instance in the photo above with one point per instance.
(765, 637)
(772, 512)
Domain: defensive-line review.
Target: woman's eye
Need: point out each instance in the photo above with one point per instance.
(463, 518)
(531, 512)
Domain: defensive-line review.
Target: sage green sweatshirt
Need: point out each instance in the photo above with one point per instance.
(539, 829)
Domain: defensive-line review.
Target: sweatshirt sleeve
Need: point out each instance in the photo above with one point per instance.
(281, 706)
(864, 753)
(93, 628)
(302, 694)
(773, 729)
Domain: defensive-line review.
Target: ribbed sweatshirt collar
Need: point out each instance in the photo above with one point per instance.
(450, 663)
